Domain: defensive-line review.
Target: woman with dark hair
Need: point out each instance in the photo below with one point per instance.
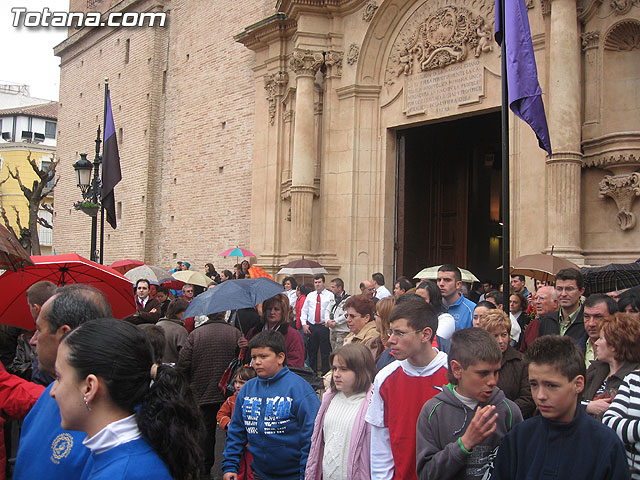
(237, 272)
(290, 285)
(210, 271)
(618, 355)
(360, 319)
(277, 315)
(519, 319)
(629, 302)
(431, 293)
(138, 416)
(244, 268)
(302, 291)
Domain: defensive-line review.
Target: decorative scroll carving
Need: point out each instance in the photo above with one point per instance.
(353, 54)
(623, 189)
(273, 84)
(333, 59)
(305, 62)
(369, 10)
(624, 36)
(529, 4)
(545, 5)
(613, 160)
(590, 40)
(443, 38)
(622, 7)
(287, 116)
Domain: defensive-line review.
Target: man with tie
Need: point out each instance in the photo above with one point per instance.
(312, 319)
(148, 310)
(380, 291)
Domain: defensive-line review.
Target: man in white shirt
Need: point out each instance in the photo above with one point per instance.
(147, 309)
(378, 283)
(312, 319)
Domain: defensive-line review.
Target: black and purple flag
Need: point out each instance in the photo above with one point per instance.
(525, 94)
(111, 173)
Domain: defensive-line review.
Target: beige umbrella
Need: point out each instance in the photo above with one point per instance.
(540, 266)
(432, 274)
(193, 277)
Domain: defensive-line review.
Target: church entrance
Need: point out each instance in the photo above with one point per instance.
(449, 196)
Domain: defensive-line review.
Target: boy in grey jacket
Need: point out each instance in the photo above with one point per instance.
(459, 430)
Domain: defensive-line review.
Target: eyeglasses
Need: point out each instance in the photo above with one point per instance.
(351, 316)
(566, 289)
(400, 334)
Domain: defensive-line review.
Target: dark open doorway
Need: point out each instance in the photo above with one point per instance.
(449, 196)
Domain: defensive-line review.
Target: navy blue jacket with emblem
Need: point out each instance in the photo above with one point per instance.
(275, 415)
(46, 450)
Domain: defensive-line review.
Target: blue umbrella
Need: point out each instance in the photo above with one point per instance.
(233, 295)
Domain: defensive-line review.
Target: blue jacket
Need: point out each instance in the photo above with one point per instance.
(542, 449)
(462, 312)
(134, 460)
(46, 450)
(275, 415)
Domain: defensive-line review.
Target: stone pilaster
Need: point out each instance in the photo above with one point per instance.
(564, 167)
(305, 64)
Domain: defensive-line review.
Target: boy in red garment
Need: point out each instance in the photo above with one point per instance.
(402, 388)
(242, 375)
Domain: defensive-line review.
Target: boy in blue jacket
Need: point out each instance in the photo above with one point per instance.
(563, 441)
(274, 413)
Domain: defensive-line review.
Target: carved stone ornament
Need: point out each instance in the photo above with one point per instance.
(545, 5)
(623, 189)
(305, 62)
(333, 60)
(624, 36)
(369, 10)
(590, 40)
(529, 4)
(445, 37)
(622, 7)
(352, 54)
(273, 84)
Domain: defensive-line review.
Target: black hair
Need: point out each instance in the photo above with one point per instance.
(161, 289)
(378, 278)
(571, 274)
(75, 304)
(294, 284)
(404, 283)
(520, 277)
(244, 373)
(319, 276)
(228, 274)
(339, 283)
(485, 304)
(272, 340)
(143, 280)
(176, 307)
(470, 346)
(496, 295)
(305, 289)
(596, 298)
(629, 298)
(418, 313)
(121, 356)
(361, 285)
(561, 352)
(156, 338)
(447, 267)
(435, 295)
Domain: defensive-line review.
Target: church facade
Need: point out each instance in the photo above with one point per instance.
(369, 136)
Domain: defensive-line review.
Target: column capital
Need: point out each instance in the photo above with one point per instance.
(305, 62)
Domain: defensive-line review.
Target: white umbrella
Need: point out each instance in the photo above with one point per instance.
(432, 274)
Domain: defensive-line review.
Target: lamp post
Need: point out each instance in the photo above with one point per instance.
(90, 188)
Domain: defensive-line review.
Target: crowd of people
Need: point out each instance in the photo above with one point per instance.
(428, 379)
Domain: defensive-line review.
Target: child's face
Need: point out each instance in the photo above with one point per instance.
(556, 397)
(238, 383)
(343, 377)
(477, 381)
(265, 361)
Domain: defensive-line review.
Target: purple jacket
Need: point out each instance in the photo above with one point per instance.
(359, 450)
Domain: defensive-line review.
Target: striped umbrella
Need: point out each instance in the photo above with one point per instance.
(610, 278)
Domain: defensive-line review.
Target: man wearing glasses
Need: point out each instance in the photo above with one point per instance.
(401, 389)
(569, 319)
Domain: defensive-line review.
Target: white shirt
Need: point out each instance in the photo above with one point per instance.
(382, 292)
(308, 314)
(515, 327)
(114, 434)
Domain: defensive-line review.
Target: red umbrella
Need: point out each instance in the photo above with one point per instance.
(123, 266)
(62, 270)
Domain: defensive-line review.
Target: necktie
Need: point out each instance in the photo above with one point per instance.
(317, 320)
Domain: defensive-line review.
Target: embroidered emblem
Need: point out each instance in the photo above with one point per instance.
(61, 447)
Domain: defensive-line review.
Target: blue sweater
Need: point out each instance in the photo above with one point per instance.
(134, 460)
(462, 312)
(46, 450)
(275, 415)
(579, 450)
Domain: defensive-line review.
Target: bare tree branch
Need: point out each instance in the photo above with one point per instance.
(44, 223)
(7, 223)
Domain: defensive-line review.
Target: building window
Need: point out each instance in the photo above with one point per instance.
(50, 129)
(126, 50)
(43, 168)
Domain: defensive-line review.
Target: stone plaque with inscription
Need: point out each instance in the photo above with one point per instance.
(440, 92)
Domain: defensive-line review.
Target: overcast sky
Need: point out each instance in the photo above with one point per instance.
(27, 53)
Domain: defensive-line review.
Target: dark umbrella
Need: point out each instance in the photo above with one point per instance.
(233, 295)
(12, 255)
(610, 278)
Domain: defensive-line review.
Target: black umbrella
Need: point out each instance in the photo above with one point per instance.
(610, 278)
(233, 295)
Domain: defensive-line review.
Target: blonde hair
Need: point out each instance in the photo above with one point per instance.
(383, 309)
(495, 319)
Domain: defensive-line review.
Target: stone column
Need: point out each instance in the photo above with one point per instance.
(564, 167)
(305, 64)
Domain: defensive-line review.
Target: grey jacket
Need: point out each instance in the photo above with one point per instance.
(442, 421)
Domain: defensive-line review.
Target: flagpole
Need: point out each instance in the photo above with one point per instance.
(104, 123)
(506, 244)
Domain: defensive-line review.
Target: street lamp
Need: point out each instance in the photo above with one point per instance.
(90, 188)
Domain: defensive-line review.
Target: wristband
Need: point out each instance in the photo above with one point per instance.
(462, 446)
